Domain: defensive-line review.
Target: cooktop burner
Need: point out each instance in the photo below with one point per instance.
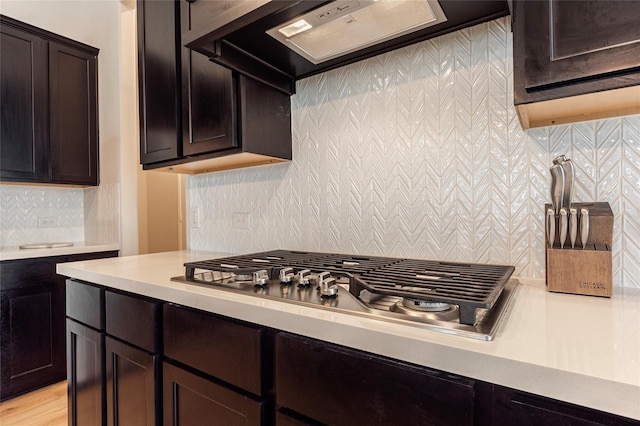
(457, 298)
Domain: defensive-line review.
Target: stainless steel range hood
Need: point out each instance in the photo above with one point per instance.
(280, 41)
(346, 26)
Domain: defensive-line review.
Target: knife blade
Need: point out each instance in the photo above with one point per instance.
(573, 226)
(557, 185)
(584, 226)
(563, 226)
(551, 227)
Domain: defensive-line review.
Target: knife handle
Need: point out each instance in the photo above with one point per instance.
(584, 226)
(563, 226)
(551, 227)
(557, 186)
(573, 226)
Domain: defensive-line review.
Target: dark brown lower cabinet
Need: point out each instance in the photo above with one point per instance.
(131, 385)
(199, 368)
(32, 337)
(32, 322)
(85, 373)
(193, 400)
(339, 386)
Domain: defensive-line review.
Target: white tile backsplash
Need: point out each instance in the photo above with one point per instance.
(23, 206)
(419, 153)
(102, 213)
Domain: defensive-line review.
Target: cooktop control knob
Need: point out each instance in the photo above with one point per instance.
(321, 277)
(286, 275)
(261, 278)
(304, 278)
(328, 287)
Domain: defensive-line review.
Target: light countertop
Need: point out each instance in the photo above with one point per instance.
(580, 349)
(78, 247)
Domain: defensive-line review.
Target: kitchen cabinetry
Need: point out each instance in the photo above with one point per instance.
(224, 371)
(32, 324)
(205, 368)
(312, 376)
(104, 371)
(575, 60)
(49, 107)
(195, 115)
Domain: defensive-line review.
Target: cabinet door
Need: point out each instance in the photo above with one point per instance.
(131, 389)
(73, 115)
(159, 81)
(208, 101)
(85, 375)
(340, 386)
(32, 349)
(23, 100)
(194, 400)
(569, 44)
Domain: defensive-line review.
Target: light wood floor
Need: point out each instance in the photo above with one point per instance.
(46, 406)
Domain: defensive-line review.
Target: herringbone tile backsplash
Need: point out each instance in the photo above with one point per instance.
(22, 206)
(419, 153)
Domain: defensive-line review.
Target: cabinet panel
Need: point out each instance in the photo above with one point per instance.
(130, 384)
(265, 119)
(85, 373)
(23, 80)
(208, 101)
(159, 81)
(224, 349)
(193, 400)
(32, 341)
(336, 385)
(73, 114)
(85, 303)
(559, 50)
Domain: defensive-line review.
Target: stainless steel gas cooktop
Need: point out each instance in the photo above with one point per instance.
(455, 298)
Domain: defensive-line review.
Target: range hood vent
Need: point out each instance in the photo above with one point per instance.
(344, 26)
(278, 42)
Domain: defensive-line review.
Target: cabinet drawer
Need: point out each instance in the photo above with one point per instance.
(516, 407)
(85, 303)
(134, 320)
(224, 349)
(335, 385)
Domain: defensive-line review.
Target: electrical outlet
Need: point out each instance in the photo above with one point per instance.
(195, 217)
(241, 221)
(47, 222)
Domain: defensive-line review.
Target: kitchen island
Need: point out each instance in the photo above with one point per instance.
(578, 349)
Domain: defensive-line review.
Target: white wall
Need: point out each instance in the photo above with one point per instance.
(419, 153)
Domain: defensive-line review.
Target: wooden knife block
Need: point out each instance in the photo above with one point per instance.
(583, 271)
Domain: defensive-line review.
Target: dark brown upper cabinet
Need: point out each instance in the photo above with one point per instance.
(575, 60)
(158, 81)
(195, 115)
(49, 110)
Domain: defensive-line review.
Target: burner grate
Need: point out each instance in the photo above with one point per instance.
(252, 262)
(468, 285)
(349, 263)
